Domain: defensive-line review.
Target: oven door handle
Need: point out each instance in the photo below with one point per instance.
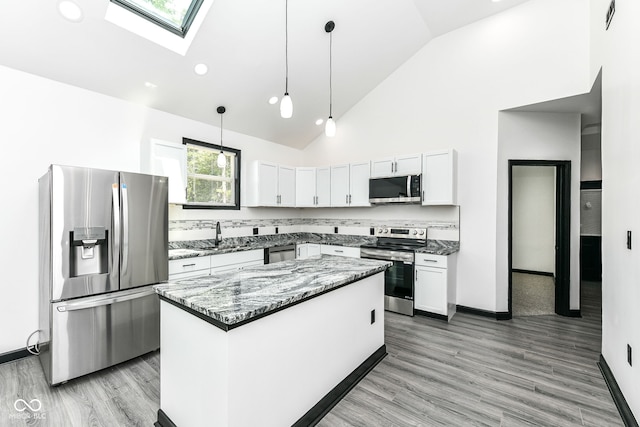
(386, 256)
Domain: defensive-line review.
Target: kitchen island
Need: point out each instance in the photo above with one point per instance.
(274, 345)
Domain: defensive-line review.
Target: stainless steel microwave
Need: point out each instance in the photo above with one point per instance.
(395, 189)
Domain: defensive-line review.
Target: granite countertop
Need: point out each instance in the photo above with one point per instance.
(195, 248)
(440, 247)
(232, 299)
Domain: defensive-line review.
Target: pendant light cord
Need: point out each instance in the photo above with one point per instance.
(330, 72)
(286, 45)
(221, 133)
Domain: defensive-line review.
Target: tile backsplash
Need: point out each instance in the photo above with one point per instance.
(196, 229)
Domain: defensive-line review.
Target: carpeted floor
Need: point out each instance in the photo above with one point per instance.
(532, 294)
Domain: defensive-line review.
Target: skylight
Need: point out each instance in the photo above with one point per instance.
(172, 15)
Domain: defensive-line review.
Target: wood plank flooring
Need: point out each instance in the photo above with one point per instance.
(530, 371)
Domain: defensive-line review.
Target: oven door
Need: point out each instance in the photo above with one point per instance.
(398, 280)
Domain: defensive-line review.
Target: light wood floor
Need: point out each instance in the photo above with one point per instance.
(531, 371)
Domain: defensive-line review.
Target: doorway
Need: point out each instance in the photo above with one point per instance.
(558, 243)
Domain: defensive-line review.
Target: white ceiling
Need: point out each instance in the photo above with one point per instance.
(242, 42)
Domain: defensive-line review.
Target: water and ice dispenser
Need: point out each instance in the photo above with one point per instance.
(89, 251)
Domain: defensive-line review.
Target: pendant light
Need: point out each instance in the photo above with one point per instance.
(330, 125)
(286, 105)
(222, 159)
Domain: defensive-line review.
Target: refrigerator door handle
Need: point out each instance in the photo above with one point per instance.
(115, 236)
(125, 230)
(82, 305)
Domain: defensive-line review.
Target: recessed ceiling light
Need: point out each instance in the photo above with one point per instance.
(70, 11)
(201, 69)
(495, 1)
(319, 122)
(273, 100)
(150, 85)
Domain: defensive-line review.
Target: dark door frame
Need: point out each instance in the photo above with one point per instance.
(563, 232)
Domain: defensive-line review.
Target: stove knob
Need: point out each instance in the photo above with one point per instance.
(422, 232)
(385, 230)
(379, 230)
(415, 232)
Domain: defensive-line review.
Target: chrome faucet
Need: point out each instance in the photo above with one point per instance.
(218, 233)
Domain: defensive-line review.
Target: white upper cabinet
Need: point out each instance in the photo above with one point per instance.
(170, 159)
(340, 185)
(359, 184)
(397, 166)
(350, 184)
(287, 186)
(313, 187)
(305, 187)
(271, 185)
(323, 187)
(439, 178)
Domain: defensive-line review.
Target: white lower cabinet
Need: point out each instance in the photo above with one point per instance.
(340, 251)
(306, 250)
(435, 284)
(189, 267)
(235, 261)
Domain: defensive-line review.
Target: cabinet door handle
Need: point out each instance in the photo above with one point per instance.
(349, 198)
(189, 265)
(339, 251)
(423, 195)
(430, 260)
(346, 198)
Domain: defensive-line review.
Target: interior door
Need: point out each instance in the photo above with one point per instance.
(145, 235)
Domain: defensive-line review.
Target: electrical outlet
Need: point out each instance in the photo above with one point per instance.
(629, 240)
(373, 316)
(276, 230)
(372, 231)
(255, 230)
(629, 355)
(335, 230)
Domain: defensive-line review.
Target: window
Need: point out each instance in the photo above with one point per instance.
(210, 186)
(173, 15)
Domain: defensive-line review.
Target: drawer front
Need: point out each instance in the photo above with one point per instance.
(188, 265)
(429, 260)
(242, 257)
(340, 251)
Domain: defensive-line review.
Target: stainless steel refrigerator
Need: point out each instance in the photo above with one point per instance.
(103, 243)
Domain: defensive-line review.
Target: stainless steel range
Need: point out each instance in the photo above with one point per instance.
(397, 245)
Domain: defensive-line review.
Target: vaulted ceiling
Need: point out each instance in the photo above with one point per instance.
(243, 44)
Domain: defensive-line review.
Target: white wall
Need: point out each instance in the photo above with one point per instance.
(534, 218)
(616, 50)
(591, 158)
(448, 96)
(46, 122)
(537, 136)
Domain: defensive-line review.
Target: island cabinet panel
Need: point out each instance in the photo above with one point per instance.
(189, 267)
(271, 371)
